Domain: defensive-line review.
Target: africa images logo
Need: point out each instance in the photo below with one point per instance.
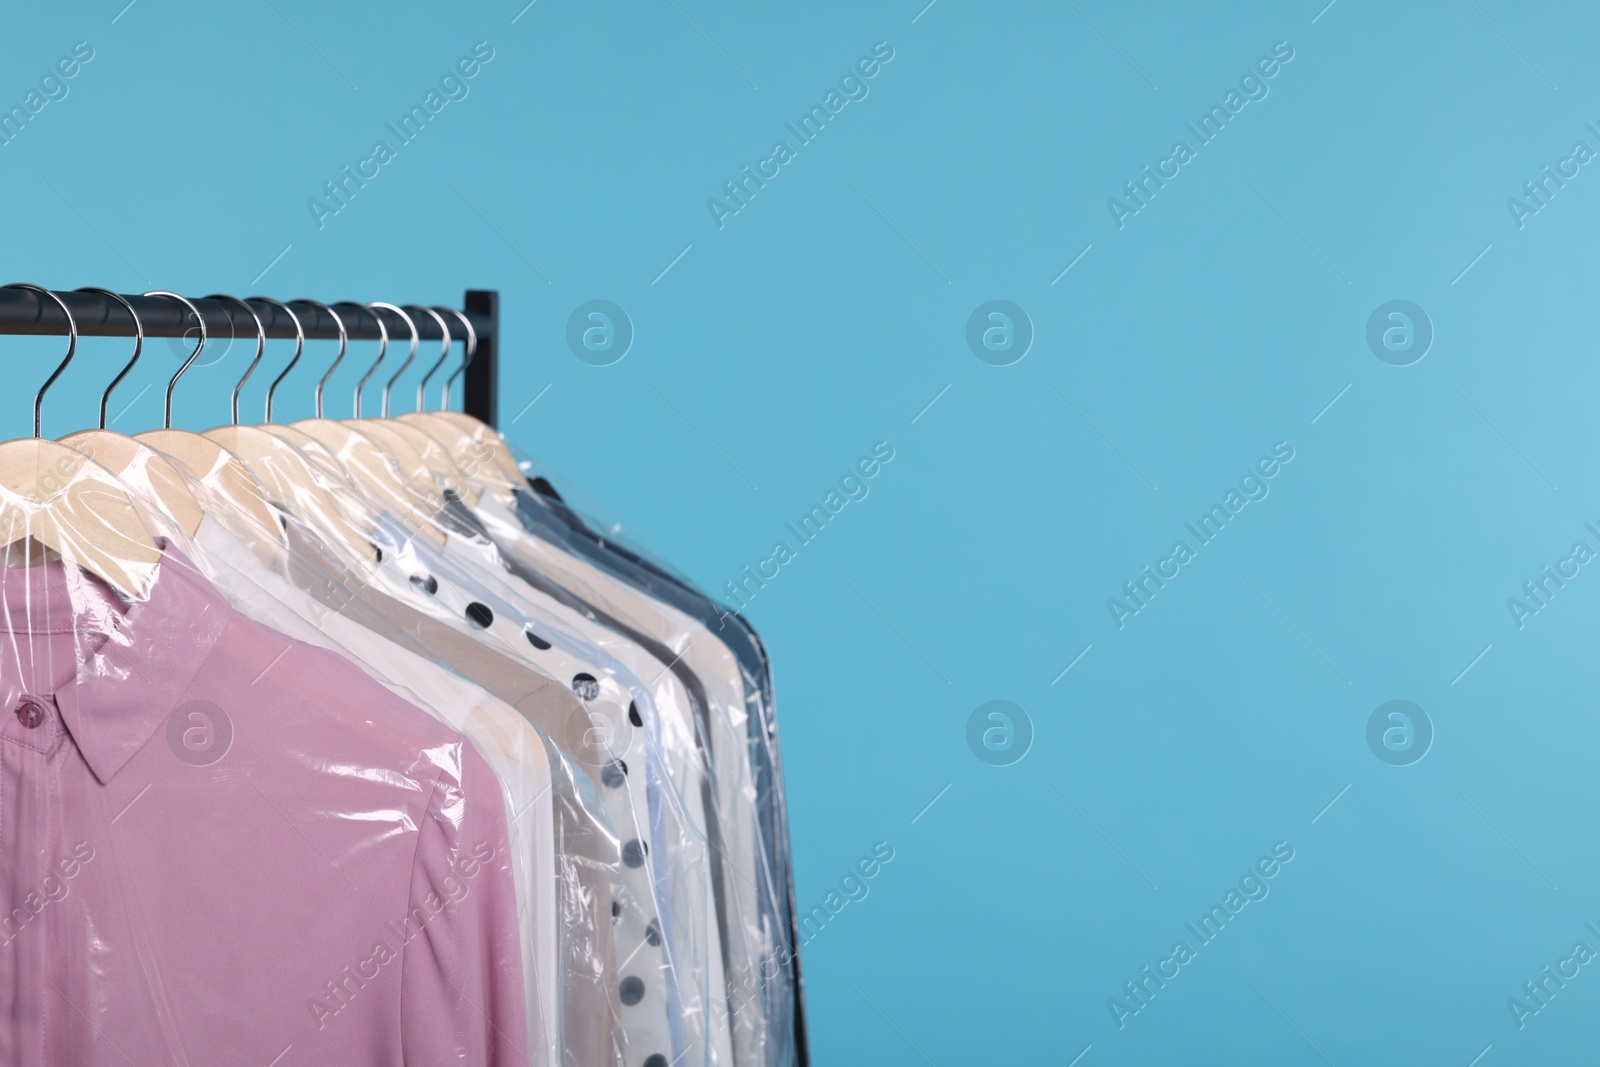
(1252, 887)
(452, 87)
(853, 486)
(1208, 127)
(999, 733)
(999, 332)
(852, 87)
(1252, 487)
(199, 732)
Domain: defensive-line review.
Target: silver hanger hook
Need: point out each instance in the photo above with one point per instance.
(138, 344)
(166, 421)
(299, 347)
(344, 342)
(411, 355)
(72, 346)
(261, 346)
(466, 360)
(383, 351)
(444, 354)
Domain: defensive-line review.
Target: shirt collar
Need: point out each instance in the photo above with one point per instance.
(134, 660)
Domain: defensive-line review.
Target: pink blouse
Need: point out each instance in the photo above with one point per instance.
(221, 846)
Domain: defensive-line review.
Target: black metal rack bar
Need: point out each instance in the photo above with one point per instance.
(23, 312)
(481, 389)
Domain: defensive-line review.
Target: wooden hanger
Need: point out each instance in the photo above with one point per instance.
(477, 448)
(295, 486)
(156, 477)
(375, 473)
(432, 454)
(58, 498)
(369, 467)
(423, 461)
(288, 475)
(456, 428)
(247, 512)
(220, 471)
(334, 478)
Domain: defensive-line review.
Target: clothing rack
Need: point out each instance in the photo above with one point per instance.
(24, 312)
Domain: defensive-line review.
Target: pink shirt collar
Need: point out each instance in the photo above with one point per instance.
(115, 669)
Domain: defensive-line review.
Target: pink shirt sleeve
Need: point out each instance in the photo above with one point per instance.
(462, 995)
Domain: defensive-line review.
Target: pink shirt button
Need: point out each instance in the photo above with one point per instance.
(30, 714)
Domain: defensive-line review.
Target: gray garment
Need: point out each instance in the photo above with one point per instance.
(588, 852)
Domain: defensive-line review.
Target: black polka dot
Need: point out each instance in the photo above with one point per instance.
(614, 773)
(652, 934)
(631, 990)
(616, 910)
(633, 853)
(376, 551)
(586, 686)
(535, 640)
(425, 582)
(656, 1060)
(633, 714)
(479, 614)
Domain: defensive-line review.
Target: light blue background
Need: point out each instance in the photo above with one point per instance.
(827, 315)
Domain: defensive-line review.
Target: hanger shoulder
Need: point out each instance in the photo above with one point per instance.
(420, 456)
(225, 475)
(217, 469)
(68, 503)
(293, 484)
(277, 472)
(136, 463)
(476, 447)
(318, 455)
(379, 475)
